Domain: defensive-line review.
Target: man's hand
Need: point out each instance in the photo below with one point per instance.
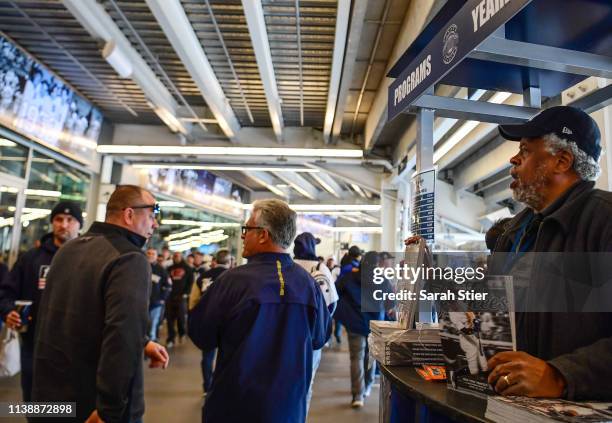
(13, 320)
(157, 354)
(94, 418)
(518, 373)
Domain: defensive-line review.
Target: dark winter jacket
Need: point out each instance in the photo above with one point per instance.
(160, 286)
(349, 311)
(182, 279)
(26, 281)
(578, 344)
(92, 323)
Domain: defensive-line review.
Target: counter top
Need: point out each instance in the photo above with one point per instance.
(435, 395)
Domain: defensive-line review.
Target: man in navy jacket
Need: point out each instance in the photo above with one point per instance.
(266, 318)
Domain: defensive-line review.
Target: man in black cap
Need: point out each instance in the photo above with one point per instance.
(559, 354)
(26, 280)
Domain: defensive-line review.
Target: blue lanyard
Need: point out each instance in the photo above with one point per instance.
(517, 251)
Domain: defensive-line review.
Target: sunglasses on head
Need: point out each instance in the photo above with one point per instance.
(154, 207)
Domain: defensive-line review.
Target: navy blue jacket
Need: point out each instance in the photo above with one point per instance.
(266, 318)
(25, 281)
(349, 311)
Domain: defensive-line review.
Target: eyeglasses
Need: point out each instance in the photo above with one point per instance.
(245, 229)
(154, 207)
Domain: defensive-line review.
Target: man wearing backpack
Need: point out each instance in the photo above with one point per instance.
(305, 256)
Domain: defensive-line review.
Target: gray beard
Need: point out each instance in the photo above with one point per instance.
(531, 195)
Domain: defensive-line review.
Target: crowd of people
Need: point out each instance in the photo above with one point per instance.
(105, 303)
(97, 301)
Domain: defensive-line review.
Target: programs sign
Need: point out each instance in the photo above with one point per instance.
(470, 26)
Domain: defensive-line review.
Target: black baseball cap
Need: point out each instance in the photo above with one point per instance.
(355, 251)
(564, 121)
(68, 207)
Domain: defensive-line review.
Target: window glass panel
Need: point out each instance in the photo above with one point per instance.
(8, 199)
(13, 157)
(50, 182)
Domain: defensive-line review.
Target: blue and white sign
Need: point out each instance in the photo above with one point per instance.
(470, 26)
(422, 217)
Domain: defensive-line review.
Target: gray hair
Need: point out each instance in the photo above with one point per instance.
(584, 165)
(278, 219)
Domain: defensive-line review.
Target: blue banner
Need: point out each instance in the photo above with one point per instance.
(470, 26)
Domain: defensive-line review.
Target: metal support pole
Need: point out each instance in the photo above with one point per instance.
(424, 139)
(532, 97)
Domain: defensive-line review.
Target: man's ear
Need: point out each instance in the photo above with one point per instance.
(565, 161)
(128, 215)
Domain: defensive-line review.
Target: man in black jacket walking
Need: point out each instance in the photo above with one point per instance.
(93, 316)
(26, 281)
(176, 309)
(559, 354)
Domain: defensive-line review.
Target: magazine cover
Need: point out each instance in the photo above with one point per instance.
(474, 331)
(507, 409)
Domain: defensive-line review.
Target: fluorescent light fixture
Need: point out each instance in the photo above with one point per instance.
(300, 190)
(199, 223)
(333, 207)
(270, 187)
(325, 185)
(201, 238)
(170, 120)
(33, 210)
(225, 167)
(171, 204)
(7, 143)
(43, 193)
(228, 151)
(369, 218)
(117, 59)
(344, 214)
(183, 234)
(466, 128)
(454, 139)
(358, 189)
(344, 229)
(12, 190)
(500, 97)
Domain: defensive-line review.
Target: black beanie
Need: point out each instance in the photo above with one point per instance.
(68, 207)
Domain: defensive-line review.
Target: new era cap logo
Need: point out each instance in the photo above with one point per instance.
(566, 130)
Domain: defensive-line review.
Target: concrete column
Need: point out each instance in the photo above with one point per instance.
(104, 188)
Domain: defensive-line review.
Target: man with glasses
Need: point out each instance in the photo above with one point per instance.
(93, 316)
(266, 317)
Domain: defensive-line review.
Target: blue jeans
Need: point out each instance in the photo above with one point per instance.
(208, 357)
(154, 316)
(316, 360)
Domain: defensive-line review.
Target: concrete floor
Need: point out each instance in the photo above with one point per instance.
(175, 395)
